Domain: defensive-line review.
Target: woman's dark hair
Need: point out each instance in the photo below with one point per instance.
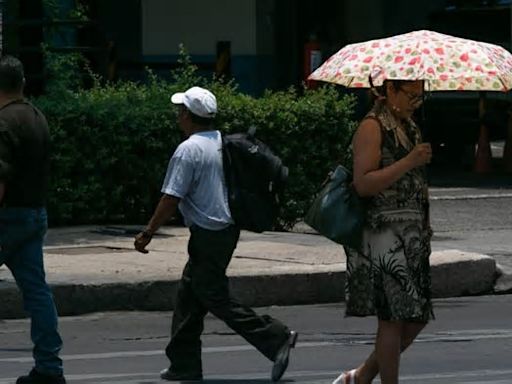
(381, 90)
(12, 77)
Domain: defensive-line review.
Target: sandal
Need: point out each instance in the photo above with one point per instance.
(348, 377)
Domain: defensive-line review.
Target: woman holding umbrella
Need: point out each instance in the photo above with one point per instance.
(388, 275)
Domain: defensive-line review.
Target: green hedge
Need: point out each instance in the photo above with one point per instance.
(111, 143)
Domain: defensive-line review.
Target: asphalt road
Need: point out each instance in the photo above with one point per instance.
(469, 342)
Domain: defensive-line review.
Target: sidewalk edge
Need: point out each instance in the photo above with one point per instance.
(450, 279)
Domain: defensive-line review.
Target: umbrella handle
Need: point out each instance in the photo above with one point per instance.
(424, 126)
(370, 80)
(372, 87)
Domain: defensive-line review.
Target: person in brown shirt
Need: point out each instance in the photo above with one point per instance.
(24, 164)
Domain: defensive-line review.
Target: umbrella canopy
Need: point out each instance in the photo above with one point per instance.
(445, 62)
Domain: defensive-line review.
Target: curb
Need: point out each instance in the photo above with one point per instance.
(454, 274)
(503, 284)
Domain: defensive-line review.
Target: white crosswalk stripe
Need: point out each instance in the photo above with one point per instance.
(465, 335)
(473, 197)
(457, 377)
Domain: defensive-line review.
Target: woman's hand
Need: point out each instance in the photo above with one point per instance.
(420, 155)
(369, 178)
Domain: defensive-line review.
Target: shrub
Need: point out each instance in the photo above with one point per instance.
(111, 143)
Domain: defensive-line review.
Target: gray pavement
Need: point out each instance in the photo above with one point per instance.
(96, 269)
(469, 342)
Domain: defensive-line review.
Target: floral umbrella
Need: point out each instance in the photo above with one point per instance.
(445, 62)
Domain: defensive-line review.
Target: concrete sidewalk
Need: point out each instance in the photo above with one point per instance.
(96, 269)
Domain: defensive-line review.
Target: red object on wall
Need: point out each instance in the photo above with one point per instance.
(312, 60)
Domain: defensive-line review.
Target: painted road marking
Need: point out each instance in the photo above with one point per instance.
(446, 336)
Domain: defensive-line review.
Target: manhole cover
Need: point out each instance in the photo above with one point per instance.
(92, 250)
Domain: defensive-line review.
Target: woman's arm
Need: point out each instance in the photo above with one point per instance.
(369, 180)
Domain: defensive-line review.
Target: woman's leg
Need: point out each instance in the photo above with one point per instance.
(367, 371)
(387, 349)
(409, 333)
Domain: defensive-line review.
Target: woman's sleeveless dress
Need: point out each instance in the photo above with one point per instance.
(389, 274)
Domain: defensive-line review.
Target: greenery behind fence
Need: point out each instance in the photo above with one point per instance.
(112, 143)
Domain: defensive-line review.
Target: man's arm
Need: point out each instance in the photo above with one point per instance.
(165, 209)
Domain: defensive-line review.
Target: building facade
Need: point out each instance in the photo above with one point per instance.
(260, 43)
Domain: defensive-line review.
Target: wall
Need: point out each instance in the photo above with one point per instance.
(374, 19)
(198, 24)
(125, 31)
(403, 18)
(363, 20)
(264, 71)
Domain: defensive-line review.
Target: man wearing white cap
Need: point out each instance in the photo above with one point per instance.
(195, 185)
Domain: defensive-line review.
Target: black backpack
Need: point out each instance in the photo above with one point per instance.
(255, 177)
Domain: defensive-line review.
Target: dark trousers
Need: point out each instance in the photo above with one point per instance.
(204, 287)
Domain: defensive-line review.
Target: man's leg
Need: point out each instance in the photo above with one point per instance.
(184, 349)
(210, 254)
(26, 265)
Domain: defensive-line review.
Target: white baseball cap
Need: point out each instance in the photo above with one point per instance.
(199, 101)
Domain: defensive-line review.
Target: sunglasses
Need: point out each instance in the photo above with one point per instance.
(415, 99)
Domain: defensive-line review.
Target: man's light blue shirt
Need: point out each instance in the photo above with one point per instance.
(195, 175)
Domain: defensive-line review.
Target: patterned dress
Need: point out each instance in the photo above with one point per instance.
(388, 275)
